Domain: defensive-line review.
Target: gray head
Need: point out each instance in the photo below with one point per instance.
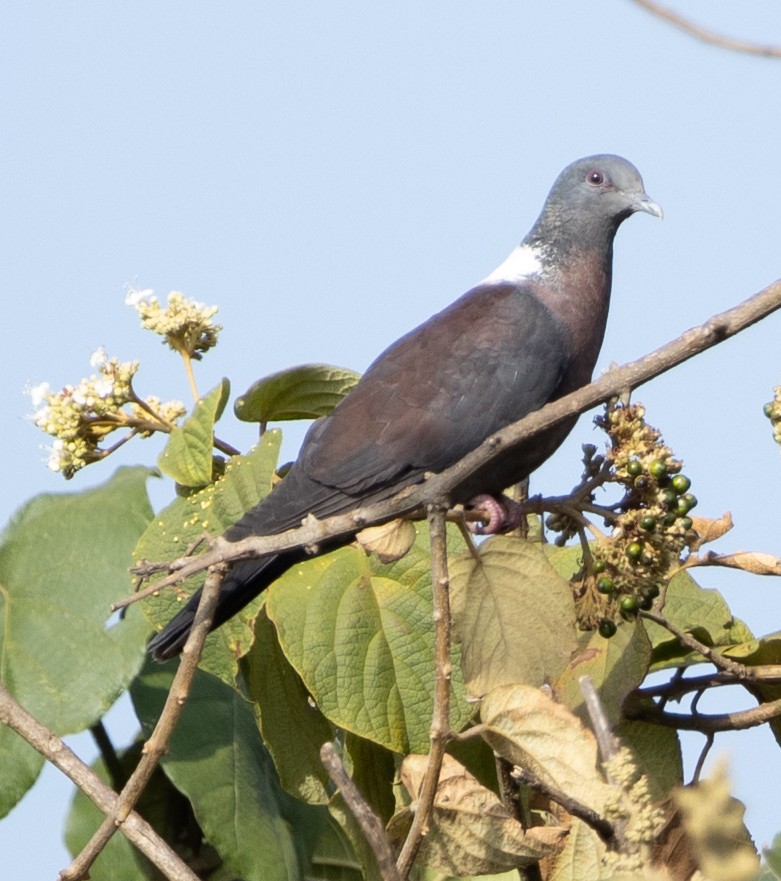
(588, 202)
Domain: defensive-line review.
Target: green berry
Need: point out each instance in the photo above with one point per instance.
(646, 603)
(598, 566)
(628, 603)
(690, 500)
(681, 483)
(669, 519)
(658, 468)
(607, 629)
(668, 497)
(768, 409)
(686, 523)
(648, 522)
(605, 584)
(682, 508)
(653, 591)
(634, 468)
(634, 550)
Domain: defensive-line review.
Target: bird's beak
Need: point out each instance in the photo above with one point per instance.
(643, 202)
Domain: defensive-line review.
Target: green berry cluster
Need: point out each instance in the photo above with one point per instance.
(773, 412)
(652, 524)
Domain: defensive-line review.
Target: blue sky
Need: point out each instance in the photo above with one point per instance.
(330, 174)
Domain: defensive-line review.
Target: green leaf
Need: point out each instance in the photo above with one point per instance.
(211, 511)
(292, 728)
(766, 650)
(514, 614)
(696, 610)
(187, 457)
(616, 666)
(304, 392)
(64, 559)
(360, 635)
(218, 761)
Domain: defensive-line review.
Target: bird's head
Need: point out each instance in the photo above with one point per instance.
(590, 199)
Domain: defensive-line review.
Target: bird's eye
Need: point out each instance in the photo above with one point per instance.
(595, 178)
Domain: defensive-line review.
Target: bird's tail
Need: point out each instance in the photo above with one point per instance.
(240, 586)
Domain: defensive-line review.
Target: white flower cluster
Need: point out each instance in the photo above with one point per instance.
(185, 325)
(79, 417)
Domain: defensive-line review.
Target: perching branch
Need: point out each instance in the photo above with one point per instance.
(157, 744)
(440, 717)
(707, 35)
(370, 824)
(438, 486)
(647, 711)
(136, 829)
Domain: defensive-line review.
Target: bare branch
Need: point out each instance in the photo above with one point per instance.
(706, 35)
(157, 744)
(648, 711)
(314, 532)
(440, 717)
(137, 830)
(740, 671)
(369, 822)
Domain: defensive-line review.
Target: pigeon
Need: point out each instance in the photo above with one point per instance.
(527, 334)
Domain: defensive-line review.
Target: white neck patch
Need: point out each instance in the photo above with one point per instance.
(523, 262)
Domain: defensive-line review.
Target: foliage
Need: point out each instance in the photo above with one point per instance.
(342, 649)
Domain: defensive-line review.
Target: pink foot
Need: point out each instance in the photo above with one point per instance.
(502, 515)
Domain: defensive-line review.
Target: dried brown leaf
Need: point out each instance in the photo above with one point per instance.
(709, 530)
(471, 832)
(755, 562)
(390, 541)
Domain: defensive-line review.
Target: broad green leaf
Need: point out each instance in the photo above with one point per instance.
(697, 610)
(217, 759)
(292, 728)
(526, 727)
(64, 559)
(470, 831)
(303, 392)
(657, 751)
(361, 636)
(210, 512)
(616, 666)
(187, 457)
(514, 615)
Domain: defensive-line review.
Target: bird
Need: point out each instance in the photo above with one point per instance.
(527, 334)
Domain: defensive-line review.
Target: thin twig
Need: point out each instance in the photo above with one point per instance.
(440, 716)
(603, 828)
(708, 36)
(608, 745)
(648, 711)
(137, 830)
(709, 741)
(157, 744)
(439, 486)
(372, 828)
(739, 671)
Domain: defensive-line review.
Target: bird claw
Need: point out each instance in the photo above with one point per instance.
(503, 515)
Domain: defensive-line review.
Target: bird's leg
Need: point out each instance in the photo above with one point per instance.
(503, 514)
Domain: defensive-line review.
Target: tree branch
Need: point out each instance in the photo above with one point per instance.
(648, 711)
(438, 486)
(136, 829)
(706, 35)
(440, 717)
(372, 828)
(157, 744)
